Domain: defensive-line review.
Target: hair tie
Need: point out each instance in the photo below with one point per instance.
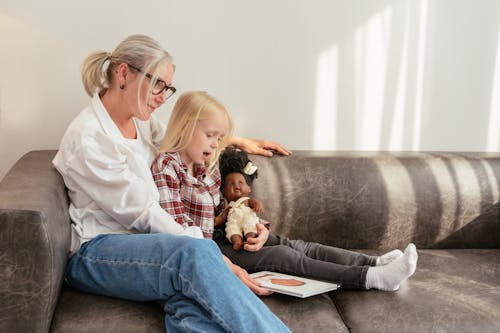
(249, 169)
(108, 56)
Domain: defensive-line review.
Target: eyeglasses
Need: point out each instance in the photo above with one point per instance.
(159, 85)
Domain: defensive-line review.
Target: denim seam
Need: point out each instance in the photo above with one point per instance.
(186, 329)
(202, 301)
(118, 261)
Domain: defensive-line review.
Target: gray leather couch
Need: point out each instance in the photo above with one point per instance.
(446, 203)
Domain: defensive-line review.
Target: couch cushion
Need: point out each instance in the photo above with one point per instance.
(81, 312)
(312, 314)
(451, 291)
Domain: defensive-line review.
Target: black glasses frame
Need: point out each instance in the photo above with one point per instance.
(170, 89)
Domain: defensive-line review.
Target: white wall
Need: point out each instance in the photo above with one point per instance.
(323, 74)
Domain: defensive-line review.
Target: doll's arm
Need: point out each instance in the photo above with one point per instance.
(221, 218)
(256, 205)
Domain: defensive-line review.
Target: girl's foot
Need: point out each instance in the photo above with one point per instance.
(390, 276)
(388, 257)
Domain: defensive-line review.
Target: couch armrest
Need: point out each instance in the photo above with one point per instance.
(34, 243)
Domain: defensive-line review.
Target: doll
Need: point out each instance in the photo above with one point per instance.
(237, 175)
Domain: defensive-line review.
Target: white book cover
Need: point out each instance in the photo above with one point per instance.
(293, 285)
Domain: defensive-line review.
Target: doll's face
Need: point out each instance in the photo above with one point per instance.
(235, 187)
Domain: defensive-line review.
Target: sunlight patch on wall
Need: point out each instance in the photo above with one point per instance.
(493, 143)
(421, 49)
(325, 122)
(398, 120)
(372, 43)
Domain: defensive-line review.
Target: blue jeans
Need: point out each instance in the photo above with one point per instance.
(186, 275)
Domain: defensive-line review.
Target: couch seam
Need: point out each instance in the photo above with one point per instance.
(340, 314)
(51, 278)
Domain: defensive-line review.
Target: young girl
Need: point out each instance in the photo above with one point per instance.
(188, 180)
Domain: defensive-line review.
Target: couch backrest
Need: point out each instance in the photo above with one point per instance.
(34, 243)
(383, 200)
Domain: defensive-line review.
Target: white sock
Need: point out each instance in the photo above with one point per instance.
(390, 276)
(388, 257)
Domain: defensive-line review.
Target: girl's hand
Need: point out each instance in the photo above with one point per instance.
(259, 146)
(246, 278)
(254, 244)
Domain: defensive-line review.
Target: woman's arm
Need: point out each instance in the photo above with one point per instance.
(259, 146)
(246, 278)
(95, 171)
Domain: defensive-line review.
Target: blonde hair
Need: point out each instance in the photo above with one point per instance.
(137, 50)
(188, 110)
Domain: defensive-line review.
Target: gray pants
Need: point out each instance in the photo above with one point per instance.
(297, 257)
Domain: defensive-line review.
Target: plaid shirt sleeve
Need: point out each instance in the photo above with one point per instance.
(167, 177)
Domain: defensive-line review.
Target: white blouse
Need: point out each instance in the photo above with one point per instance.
(108, 177)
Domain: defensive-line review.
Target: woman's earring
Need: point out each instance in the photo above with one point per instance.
(122, 87)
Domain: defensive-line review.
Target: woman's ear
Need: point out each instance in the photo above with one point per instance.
(121, 74)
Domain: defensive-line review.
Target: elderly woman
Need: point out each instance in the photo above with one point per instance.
(124, 244)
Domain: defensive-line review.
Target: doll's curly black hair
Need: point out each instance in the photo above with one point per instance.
(234, 160)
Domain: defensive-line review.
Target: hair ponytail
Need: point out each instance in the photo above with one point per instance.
(94, 76)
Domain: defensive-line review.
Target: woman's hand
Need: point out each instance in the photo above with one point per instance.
(259, 146)
(246, 278)
(254, 244)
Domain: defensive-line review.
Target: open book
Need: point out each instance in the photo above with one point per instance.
(292, 285)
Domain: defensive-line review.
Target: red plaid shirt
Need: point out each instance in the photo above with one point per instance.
(190, 200)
